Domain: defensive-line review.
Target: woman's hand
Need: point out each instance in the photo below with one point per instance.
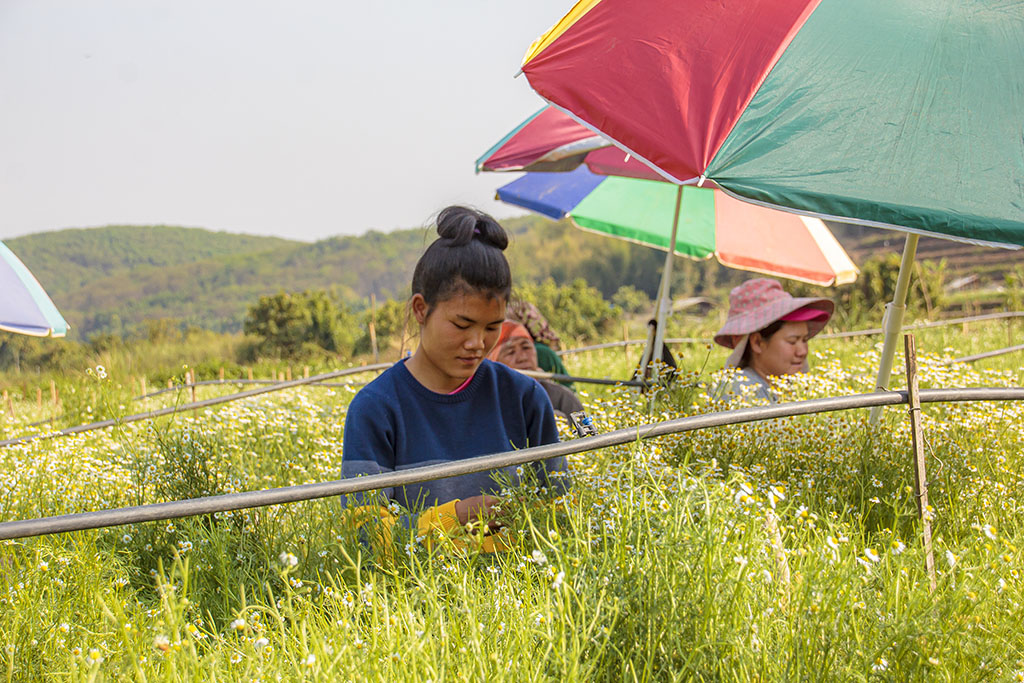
(472, 509)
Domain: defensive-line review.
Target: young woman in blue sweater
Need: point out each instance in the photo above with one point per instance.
(447, 402)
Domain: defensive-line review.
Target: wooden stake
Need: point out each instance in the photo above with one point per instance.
(288, 373)
(250, 373)
(170, 383)
(220, 374)
(373, 326)
(625, 339)
(192, 383)
(280, 376)
(39, 397)
(9, 403)
(305, 372)
(917, 441)
(53, 392)
(143, 384)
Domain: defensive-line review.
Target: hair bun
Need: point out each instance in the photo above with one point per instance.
(461, 225)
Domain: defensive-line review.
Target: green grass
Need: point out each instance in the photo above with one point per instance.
(771, 551)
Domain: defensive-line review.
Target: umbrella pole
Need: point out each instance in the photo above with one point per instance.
(665, 299)
(892, 321)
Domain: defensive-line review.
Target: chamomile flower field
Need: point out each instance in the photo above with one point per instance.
(778, 550)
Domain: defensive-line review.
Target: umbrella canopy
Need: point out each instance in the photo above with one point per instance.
(710, 223)
(551, 140)
(889, 114)
(24, 307)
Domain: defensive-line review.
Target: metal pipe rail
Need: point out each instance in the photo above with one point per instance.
(554, 376)
(293, 494)
(277, 386)
(987, 354)
(925, 326)
(194, 406)
(832, 335)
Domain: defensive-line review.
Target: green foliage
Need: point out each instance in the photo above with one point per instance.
(20, 353)
(575, 311)
(392, 326)
(862, 303)
(1014, 286)
(294, 325)
(632, 300)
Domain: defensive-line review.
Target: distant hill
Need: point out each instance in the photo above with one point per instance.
(66, 259)
(113, 279)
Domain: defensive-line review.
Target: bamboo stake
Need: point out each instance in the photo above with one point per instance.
(373, 327)
(917, 441)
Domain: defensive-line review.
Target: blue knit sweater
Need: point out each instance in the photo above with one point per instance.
(395, 423)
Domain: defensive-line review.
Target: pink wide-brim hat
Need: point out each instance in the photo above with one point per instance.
(758, 303)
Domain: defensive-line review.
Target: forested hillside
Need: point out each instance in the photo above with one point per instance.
(66, 259)
(113, 279)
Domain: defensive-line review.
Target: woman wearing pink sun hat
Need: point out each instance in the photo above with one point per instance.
(768, 329)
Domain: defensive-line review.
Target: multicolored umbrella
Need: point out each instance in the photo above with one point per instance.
(699, 222)
(710, 223)
(898, 115)
(24, 307)
(890, 114)
(551, 140)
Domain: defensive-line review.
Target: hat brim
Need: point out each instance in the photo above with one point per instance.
(760, 318)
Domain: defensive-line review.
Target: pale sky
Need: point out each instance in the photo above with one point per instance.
(301, 119)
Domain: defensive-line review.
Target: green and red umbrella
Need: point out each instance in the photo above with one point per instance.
(641, 207)
(900, 114)
(889, 113)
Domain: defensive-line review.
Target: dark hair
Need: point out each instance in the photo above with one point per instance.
(766, 334)
(466, 257)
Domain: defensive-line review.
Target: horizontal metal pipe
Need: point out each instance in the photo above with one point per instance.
(535, 374)
(630, 342)
(238, 382)
(317, 380)
(987, 354)
(294, 494)
(206, 403)
(556, 377)
(831, 335)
